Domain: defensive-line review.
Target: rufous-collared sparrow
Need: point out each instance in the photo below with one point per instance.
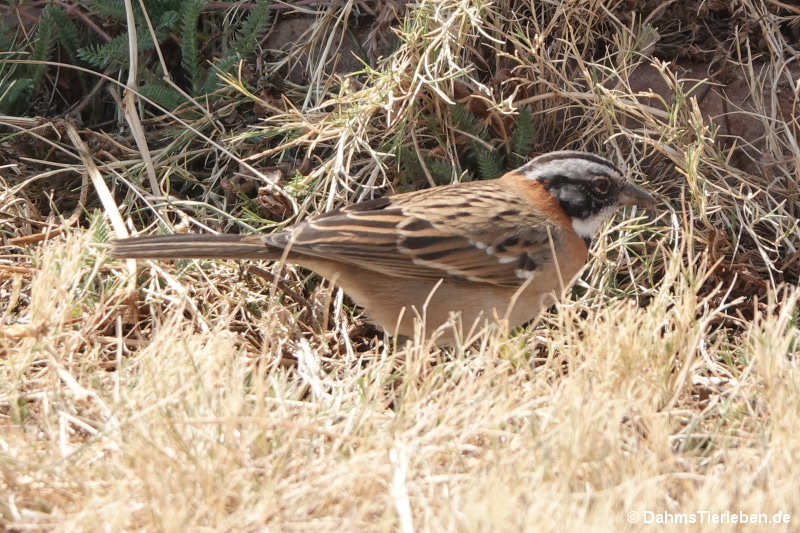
(498, 248)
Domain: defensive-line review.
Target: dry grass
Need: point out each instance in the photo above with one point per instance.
(665, 381)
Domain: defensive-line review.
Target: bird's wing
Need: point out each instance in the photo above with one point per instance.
(474, 232)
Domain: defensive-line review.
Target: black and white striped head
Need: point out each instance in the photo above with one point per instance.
(588, 187)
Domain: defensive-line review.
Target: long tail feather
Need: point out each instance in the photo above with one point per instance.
(194, 246)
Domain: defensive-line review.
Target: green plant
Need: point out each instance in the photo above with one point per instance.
(98, 39)
(475, 149)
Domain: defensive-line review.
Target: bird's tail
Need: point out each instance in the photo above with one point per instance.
(195, 246)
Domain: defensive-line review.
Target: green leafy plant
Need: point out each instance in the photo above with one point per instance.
(98, 39)
(476, 151)
(16, 82)
(19, 80)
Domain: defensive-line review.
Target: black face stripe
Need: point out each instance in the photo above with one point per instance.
(577, 198)
(554, 156)
(573, 198)
(577, 181)
(556, 180)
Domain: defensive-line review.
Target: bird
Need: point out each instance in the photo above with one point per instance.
(500, 248)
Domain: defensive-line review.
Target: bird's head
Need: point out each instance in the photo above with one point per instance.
(589, 188)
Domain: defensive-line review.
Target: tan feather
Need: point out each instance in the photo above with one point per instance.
(435, 234)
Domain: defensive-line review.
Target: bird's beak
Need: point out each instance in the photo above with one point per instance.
(633, 195)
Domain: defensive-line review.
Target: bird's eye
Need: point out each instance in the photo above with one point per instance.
(601, 185)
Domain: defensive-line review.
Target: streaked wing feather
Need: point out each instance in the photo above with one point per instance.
(435, 234)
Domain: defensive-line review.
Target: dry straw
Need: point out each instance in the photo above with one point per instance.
(665, 382)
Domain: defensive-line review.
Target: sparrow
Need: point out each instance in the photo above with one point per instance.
(501, 248)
